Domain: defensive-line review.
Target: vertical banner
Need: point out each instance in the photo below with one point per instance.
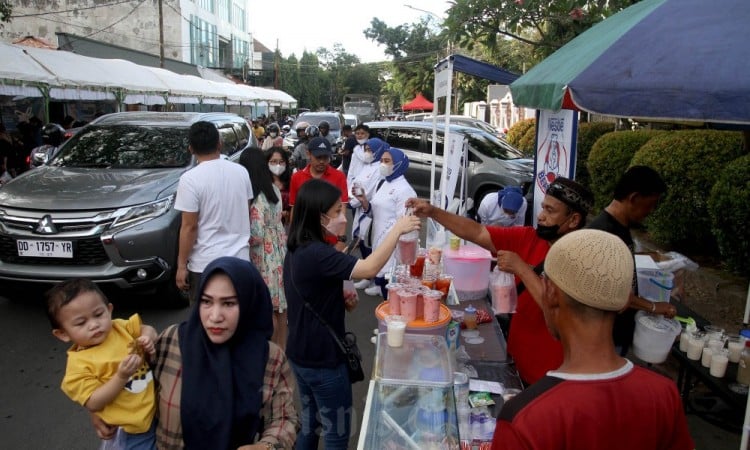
(452, 152)
(556, 133)
(443, 81)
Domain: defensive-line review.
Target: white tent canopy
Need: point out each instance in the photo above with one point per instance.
(62, 75)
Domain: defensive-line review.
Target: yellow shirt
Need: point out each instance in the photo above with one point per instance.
(87, 369)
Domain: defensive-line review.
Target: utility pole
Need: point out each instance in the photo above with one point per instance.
(276, 66)
(161, 36)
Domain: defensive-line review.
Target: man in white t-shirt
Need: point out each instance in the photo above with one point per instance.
(214, 198)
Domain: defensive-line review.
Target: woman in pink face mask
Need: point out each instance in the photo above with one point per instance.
(314, 272)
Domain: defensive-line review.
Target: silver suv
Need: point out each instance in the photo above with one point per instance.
(493, 163)
(102, 207)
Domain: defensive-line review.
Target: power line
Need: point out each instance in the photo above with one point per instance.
(121, 19)
(70, 10)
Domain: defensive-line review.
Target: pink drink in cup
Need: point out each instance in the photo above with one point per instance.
(394, 301)
(503, 300)
(408, 300)
(408, 246)
(432, 305)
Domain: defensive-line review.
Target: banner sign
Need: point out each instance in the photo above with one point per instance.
(452, 152)
(443, 80)
(556, 133)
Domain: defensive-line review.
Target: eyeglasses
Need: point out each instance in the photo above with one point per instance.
(276, 163)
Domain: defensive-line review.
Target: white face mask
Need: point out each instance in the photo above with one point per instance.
(505, 220)
(386, 169)
(277, 169)
(368, 157)
(273, 134)
(361, 141)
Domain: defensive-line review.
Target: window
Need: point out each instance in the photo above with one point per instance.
(204, 43)
(224, 10)
(208, 5)
(240, 52)
(228, 140)
(404, 138)
(238, 17)
(440, 143)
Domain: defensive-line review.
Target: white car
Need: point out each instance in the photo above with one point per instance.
(351, 119)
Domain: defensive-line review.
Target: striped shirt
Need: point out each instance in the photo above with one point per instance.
(280, 422)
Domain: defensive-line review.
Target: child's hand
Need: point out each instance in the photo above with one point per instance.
(147, 344)
(128, 366)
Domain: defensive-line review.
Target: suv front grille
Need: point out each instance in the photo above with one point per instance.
(87, 251)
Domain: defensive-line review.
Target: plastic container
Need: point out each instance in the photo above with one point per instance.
(743, 368)
(470, 268)
(470, 318)
(424, 359)
(655, 285)
(418, 326)
(654, 336)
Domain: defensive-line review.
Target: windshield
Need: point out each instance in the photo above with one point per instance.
(315, 120)
(126, 147)
(490, 145)
(358, 108)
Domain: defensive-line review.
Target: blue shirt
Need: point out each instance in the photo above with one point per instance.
(315, 271)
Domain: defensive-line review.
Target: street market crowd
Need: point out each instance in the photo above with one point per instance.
(265, 258)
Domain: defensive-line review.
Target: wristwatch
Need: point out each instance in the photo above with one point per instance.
(341, 238)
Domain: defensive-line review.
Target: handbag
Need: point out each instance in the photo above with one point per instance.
(347, 345)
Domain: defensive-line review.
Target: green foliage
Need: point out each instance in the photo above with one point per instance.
(609, 158)
(527, 144)
(6, 9)
(541, 24)
(690, 163)
(588, 133)
(518, 130)
(730, 215)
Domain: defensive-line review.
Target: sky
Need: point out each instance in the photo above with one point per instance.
(307, 25)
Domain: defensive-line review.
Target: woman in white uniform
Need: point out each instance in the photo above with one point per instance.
(504, 208)
(388, 205)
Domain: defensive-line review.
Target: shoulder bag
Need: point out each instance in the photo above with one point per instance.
(347, 345)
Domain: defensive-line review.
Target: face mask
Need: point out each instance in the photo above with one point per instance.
(277, 169)
(361, 141)
(548, 233)
(273, 135)
(336, 225)
(505, 220)
(386, 170)
(368, 158)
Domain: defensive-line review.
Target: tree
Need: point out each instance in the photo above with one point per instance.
(541, 24)
(415, 48)
(310, 74)
(6, 9)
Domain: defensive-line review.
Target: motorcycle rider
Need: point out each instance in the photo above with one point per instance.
(52, 136)
(299, 155)
(274, 138)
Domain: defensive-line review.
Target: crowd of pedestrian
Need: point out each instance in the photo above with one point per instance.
(264, 255)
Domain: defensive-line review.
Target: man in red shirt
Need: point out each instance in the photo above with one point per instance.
(522, 251)
(319, 154)
(595, 399)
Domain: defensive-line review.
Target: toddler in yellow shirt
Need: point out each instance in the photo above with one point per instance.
(107, 371)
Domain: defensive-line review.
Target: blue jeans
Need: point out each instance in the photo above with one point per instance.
(326, 397)
(142, 441)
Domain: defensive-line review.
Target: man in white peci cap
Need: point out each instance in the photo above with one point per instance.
(595, 399)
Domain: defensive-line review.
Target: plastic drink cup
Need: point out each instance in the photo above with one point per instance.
(394, 301)
(470, 318)
(714, 332)
(396, 327)
(429, 282)
(408, 300)
(735, 344)
(503, 300)
(715, 344)
(695, 347)
(408, 244)
(454, 242)
(706, 356)
(461, 389)
(685, 339)
(443, 284)
(417, 268)
(431, 305)
(719, 362)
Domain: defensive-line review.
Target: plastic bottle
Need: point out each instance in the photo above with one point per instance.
(743, 369)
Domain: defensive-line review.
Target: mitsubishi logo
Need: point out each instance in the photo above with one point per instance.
(45, 226)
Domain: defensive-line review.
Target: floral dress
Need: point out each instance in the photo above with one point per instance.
(268, 245)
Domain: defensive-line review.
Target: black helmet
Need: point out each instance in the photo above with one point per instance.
(273, 128)
(312, 131)
(324, 124)
(53, 134)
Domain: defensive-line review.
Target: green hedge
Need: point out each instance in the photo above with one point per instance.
(729, 206)
(609, 158)
(690, 163)
(588, 133)
(518, 130)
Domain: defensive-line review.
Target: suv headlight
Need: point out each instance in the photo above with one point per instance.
(134, 215)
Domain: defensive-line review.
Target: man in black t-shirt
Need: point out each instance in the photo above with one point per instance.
(636, 195)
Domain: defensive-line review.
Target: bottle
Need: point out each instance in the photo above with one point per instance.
(470, 319)
(743, 369)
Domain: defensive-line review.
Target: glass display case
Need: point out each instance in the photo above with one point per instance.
(410, 403)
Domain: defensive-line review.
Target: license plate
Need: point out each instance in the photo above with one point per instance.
(45, 249)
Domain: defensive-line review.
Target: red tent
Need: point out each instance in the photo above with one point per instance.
(419, 102)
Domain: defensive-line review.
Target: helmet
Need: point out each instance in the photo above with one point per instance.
(324, 124)
(312, 131)
(301, 126)
(273, 128)
(53, 134)
(286, 128)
